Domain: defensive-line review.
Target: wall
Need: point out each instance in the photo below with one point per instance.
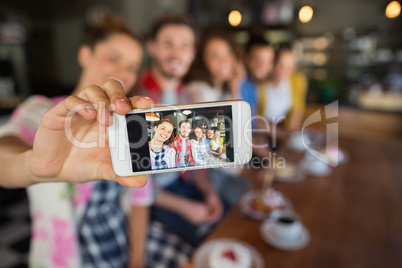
(67, 36)
(335, 16)
(140, 14)
(68, 29)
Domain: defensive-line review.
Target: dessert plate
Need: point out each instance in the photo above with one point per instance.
(279, 202)
(200, 258)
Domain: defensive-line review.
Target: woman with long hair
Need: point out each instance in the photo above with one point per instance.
(81, 224)
(161, 152)
(281, 101)
(216, 146)
(217, 71)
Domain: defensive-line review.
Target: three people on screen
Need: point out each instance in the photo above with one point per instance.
(190, 147)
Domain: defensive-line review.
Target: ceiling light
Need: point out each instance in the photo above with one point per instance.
(234, 17)
(306, 14)
(393, 9)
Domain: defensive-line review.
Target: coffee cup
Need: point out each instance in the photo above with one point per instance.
(286, 226)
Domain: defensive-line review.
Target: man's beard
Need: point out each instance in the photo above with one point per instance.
(165, 74)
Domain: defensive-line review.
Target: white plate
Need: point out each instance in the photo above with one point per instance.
(270, 238)
(298, 176)
(246, 209)
(306, 165)
(343, 156)
(320, 173)
(200, 259)
(298, 142)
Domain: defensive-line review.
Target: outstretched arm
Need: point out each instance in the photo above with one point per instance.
(14, 156)
(54, 158)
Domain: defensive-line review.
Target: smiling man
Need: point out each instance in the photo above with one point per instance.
(182, 145)
(181, 204)
(171, 46)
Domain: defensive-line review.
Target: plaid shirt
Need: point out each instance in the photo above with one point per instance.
(164, 248)
(102, 231)
(160, 163)
(177, 146)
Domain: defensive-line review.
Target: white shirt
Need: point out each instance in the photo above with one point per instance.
(200, 91)
(278, 100)
(215, 145)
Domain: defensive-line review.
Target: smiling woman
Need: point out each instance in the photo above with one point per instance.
(217, 69)
(68, 228)
(110, 51)
(161, 153)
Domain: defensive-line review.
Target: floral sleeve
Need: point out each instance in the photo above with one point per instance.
(26, 118)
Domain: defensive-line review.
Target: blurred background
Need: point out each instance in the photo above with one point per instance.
(350, 51)
(347, 48)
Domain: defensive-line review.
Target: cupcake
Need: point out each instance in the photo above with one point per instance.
(269, 201)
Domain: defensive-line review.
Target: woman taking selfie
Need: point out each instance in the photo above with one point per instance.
(80, 225)
(161, 152)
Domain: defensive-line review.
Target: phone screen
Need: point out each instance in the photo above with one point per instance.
(180, 138)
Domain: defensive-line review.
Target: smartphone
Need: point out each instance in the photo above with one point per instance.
(181, 137)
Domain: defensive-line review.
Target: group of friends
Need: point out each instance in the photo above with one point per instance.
(77, 202)
(189, 148)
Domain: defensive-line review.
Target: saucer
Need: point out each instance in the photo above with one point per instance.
(246, 209)
(320, 173)
(266, 233)
(297, 141)
(288, 177)
(307, 166)
(343, 156)
(200, 258)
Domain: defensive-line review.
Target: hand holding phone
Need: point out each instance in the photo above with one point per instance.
(66, 146)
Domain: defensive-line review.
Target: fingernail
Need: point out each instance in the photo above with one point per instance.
(122, 102)
(144, 99)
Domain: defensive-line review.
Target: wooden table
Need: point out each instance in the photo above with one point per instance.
(354, 215)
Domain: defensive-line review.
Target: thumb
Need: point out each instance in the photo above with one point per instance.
(133, 181)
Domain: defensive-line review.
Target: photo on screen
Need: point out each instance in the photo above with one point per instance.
(180, 138)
